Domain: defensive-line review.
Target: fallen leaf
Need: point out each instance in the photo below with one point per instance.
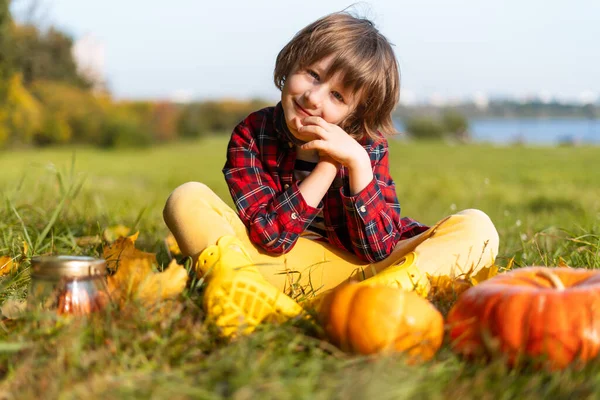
(172, 245)
(112, 233)
(84, 241)
(135, 278)
(562, 263)
(6, 265)
(124, 248)
(484, 274)
(12, 308)
(163, 285)
(444, 287)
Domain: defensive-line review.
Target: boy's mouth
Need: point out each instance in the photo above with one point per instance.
(299, 107)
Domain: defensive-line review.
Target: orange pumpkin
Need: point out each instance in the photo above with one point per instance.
(548, 315)
(373, 319)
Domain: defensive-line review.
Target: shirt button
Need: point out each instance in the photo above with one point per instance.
(294, 216)
(362, 209)
(286, 186)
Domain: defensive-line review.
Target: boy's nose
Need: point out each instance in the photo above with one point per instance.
(314, 97)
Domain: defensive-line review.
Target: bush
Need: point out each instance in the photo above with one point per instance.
(123, 129)
(198, 119)
(451, 124)
(456, 125)
(21, 115)
(81, 109)
(424, 128)
(55, 130)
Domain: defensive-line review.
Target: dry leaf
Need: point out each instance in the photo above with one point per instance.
(163, 285)
(562, 263)
(25, 250)
(12, 309)
(135, 278)
(124, 248)
(6, 265)
(112, 233)
(484, 274)
(172, 245)
(84, 241)
(444, 287)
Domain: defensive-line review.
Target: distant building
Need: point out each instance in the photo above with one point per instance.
(89, 55)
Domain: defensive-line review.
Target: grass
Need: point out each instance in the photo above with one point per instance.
(545, 203)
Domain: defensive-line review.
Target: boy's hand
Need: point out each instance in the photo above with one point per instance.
(333, 141)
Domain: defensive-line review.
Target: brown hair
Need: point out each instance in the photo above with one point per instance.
(362, 55)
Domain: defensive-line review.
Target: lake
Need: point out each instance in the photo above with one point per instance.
(535, 131)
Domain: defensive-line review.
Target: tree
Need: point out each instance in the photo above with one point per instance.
(6, 67)
(45, 56)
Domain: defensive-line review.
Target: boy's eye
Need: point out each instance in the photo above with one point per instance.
(313, 74)
(338, 96)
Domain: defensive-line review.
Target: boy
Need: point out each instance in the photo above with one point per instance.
(310, 180)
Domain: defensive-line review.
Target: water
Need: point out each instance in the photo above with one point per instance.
(536, 131)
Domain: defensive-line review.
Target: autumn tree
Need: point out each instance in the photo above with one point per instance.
(5, 48)
(41, 56)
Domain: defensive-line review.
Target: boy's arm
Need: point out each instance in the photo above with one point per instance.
(373, 214)
(275, 217)
(314, 187)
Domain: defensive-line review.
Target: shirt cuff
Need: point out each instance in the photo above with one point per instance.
(297, 213)
(365, 203)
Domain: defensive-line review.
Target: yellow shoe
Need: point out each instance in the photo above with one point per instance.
(405, 275)
(237, 296)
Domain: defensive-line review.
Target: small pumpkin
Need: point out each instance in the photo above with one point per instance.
(380, 319)
(549, 315)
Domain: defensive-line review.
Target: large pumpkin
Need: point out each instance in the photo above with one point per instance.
(372, 319)
(549, 315)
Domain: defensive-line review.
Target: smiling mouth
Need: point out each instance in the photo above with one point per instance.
(302, 109)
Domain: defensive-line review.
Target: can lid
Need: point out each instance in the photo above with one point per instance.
(65, 266)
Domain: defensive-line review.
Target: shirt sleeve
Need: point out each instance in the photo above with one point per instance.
(373, 214)
(275, 217)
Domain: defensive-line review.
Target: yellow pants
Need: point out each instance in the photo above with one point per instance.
(464, 241)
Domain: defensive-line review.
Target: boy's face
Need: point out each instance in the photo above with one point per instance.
(306, 93)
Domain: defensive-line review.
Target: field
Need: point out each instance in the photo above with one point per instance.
(545, 202)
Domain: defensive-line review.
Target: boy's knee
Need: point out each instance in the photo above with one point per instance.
(481, 227)
(180, 199)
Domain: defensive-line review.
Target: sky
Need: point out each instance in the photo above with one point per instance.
(461, 49)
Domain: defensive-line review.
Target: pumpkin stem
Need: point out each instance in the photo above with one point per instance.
(553, 278)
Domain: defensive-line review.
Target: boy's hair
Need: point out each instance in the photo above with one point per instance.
(362, 55)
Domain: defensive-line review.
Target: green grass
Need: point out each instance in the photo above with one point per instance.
(545, 203)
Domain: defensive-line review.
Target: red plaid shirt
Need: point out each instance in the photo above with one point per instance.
(259, 172)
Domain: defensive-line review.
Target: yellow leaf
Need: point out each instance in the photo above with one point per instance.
(511, 262)
(6, 265)
(112, 233)
(484, 274)
(163, 285)
(84, 241)
(172, 245)
(130, 274)
(444, 287)
(124, 248)
(12, 308)
(135, 278)
(562, 263)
